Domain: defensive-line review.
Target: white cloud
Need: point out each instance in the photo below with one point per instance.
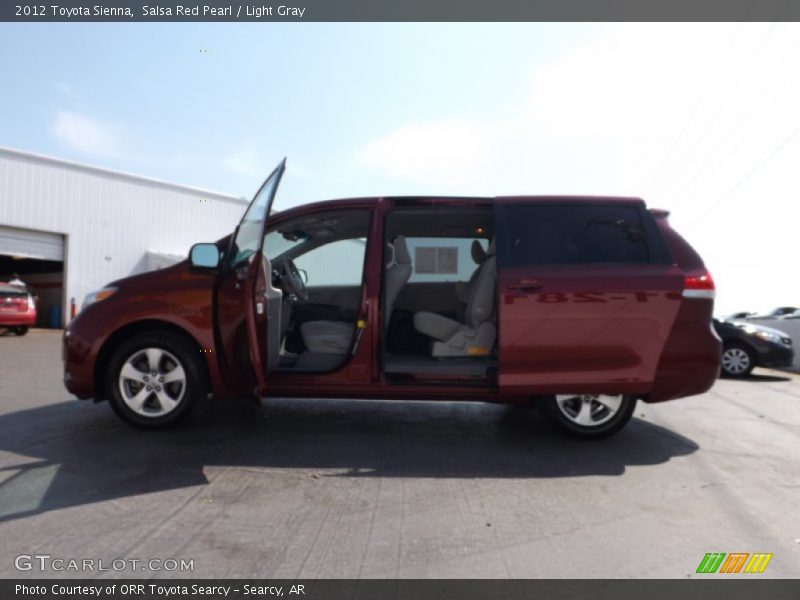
(85, 135)
(631, 83)
(675, 112)
(611, 105)
(693, 117)
(444, 151)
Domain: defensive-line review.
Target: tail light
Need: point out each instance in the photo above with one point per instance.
(699, 284)
(31, 302)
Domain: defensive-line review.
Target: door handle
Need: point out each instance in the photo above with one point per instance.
(525, 285)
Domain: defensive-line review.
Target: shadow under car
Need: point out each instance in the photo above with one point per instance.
(75, 453)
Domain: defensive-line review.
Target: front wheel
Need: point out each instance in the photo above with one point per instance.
(588, 416)
(154, 380)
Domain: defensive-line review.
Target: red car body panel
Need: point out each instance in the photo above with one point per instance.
(15, 311)
(174, 298)
(591, 329)
(18, 318)
(604, 329)
(690, 360)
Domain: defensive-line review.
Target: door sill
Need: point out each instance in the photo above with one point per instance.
(440, 371)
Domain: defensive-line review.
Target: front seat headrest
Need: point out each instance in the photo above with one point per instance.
(401, 255)
(478, 253)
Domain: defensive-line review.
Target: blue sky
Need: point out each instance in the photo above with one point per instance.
(217, 105)
(696, 118)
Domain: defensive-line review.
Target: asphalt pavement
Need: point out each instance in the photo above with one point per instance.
(338, 488)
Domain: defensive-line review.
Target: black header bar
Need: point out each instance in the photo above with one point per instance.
(706, 588)
(128, 11)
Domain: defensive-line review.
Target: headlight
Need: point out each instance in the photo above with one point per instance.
(97, 296)
(769, 337)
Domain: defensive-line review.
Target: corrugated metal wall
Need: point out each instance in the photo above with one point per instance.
(110, 220)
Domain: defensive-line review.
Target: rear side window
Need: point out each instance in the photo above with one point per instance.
(573, 234)
(442, 259)
(13, 291)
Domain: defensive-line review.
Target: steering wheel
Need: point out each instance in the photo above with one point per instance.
(292, 280)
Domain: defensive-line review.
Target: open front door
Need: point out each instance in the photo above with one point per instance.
(248, 307)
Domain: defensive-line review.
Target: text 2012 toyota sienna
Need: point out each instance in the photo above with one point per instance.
(580, 305)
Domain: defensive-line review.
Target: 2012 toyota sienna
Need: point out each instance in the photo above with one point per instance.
(580, 305)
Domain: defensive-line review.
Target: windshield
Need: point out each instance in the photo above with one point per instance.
(277, 243)
(247, 240)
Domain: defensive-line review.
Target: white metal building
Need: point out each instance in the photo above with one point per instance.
(69, 228)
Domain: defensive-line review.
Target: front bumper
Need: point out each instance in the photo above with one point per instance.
(774, 355)
(78, 376)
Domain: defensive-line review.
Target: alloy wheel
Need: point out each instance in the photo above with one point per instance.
(589, 410)
(152, 382)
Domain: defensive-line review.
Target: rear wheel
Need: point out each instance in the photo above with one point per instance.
(589, 416)
(737, 360)
(154, 380)
(22, 330)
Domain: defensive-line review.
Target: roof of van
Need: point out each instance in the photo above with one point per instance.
(458, 200)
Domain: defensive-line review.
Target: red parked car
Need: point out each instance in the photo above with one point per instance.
(580, 305)
(17, 308)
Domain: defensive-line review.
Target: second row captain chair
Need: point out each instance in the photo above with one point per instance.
(475, 332)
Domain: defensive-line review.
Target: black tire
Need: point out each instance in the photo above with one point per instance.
(22, 330)
(174, 350)
(737, 360)
(551, 409)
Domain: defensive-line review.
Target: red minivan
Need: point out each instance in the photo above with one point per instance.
(579, 305)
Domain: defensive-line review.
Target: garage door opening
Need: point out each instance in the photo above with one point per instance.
(37, 258)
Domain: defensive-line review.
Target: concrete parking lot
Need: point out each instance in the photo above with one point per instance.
(394, 489)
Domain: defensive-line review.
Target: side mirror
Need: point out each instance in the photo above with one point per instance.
(204, 256)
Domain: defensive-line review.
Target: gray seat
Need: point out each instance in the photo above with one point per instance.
(327, 337)
(316, 363)
(476, 333)
(335, 337)
(398, 271)
(464, 288)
